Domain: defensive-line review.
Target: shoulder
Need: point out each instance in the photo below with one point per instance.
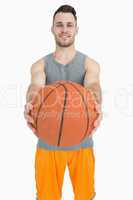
(91, 65)
(39, 65)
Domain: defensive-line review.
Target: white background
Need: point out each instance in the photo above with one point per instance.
(105, 34)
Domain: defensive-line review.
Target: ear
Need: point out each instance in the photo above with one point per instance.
(52, 29)
(77, 29)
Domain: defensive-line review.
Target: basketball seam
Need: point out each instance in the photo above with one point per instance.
(85, 108)
(42, 104)
(62, 119)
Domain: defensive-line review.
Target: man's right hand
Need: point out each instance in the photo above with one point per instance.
(30, 122)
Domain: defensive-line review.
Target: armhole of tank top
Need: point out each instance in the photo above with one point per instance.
(45, 62)
(85, 56)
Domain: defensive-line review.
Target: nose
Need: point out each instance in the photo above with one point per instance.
(64, 29)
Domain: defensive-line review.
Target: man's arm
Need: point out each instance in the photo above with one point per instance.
(92, 79)
(38, 79)
(92, 83)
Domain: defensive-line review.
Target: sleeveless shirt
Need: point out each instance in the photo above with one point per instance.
(74, 71)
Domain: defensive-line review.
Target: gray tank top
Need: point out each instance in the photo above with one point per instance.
(74, 71)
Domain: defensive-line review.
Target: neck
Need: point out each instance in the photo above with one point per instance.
(64, 53)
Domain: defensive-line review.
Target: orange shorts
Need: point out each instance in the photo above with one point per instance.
(50, 168)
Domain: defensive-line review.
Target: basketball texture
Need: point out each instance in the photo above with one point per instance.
(64, 113)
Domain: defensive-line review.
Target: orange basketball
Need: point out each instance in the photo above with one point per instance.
(64, 113)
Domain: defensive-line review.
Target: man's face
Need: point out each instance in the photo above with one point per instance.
(64, 29)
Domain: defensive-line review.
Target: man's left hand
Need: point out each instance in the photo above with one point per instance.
(98, 120)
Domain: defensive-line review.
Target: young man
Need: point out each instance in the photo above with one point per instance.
(66, 63)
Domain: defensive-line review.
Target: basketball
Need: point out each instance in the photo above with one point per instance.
(64, 113)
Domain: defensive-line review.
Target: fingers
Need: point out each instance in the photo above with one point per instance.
(98, 108)
(31, 127)
(94, 130)
(28, 118)
(30, 121)
(98, 120)
(28, 107)
(96, 123)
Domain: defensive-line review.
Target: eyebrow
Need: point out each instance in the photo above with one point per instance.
(62, 22)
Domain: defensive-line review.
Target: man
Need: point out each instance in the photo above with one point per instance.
(66, 63)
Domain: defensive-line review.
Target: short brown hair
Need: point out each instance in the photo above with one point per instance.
(66, 9)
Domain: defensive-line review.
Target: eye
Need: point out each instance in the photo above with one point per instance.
(70, 25)
(59, 25)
